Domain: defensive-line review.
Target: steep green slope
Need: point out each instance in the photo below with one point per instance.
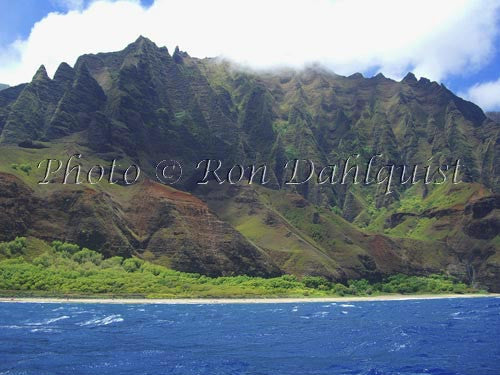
(142, 105)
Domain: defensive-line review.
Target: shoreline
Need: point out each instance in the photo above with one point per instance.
(221, 301)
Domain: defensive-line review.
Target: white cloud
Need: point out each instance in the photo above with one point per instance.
(486, 95)
(433, 38)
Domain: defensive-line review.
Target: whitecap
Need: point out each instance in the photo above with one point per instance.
(275, 310)
(345, 312)
(48, 321)
(321, 314)
(43, 329)
(12, 327)
(103, 321)
(347, 305)
(165, 321)
(53, 320)
(398, 347)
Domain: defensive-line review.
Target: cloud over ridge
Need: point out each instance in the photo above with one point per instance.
(486, 94)
(432, 38)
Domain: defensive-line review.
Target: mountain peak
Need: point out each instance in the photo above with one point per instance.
(409, 78)
(64, 72)
(142, 38)
(41, 74)
(424, 80)
(142, 41)
(356, 76)
(178, 55)
(143, 45)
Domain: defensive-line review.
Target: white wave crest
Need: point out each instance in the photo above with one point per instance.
(48, 321)
(103, 321)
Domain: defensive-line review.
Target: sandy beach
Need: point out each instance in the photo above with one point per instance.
(197, 301)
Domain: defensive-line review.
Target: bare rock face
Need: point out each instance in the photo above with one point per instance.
(16, 202)
(175, 227)
(86, 217)
(483, 207)
(180, 228)
(483, 218)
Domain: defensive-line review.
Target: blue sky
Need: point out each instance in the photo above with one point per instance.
(17, 17)
(456, 42)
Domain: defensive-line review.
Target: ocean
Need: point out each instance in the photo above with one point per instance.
(443, 336)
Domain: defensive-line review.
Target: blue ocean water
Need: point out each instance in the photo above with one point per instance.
(445, 336)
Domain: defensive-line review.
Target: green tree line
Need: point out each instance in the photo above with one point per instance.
(67, 269)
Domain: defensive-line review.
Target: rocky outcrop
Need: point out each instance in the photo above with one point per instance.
(483, 218)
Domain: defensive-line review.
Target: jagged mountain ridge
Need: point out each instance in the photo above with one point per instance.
(147, 105)
(144, 91)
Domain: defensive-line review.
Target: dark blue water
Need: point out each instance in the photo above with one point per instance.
(454, 336)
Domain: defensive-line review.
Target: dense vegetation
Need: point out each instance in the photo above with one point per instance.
(142, 105)
(66, 269)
